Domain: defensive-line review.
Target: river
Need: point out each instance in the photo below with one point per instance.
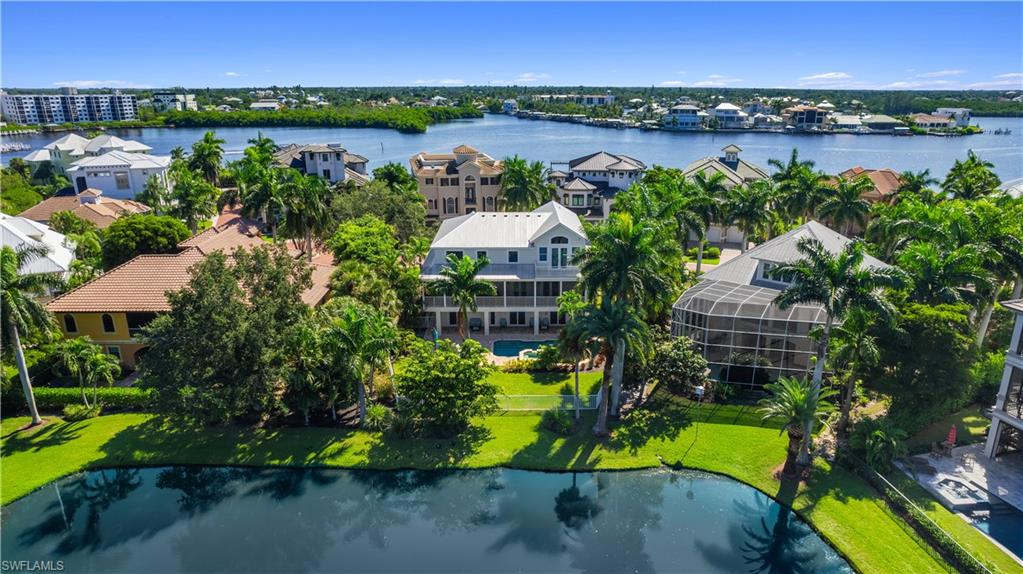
(501, 136)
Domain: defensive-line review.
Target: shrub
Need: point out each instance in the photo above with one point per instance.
(378, 418)
(879, 442)
(678, 366)
(81, 412)
(712, 252)
(548, 358)
(402, 425)
(121, 398)
(520, 366)
(384, 387)
(721, 392)
(557, 421)
(986, 375)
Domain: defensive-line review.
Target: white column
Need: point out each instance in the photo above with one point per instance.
(536, 322)
(486, 322)
(439, 325)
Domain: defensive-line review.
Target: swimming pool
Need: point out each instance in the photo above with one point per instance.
(512, 348)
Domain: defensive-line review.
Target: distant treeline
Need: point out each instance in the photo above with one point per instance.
(403, 119)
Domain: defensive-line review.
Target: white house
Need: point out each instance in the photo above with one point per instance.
(510, 106)
(119, 174)
(729, 116)
(530, 256)
(736, 171)
(73, 147)
(329, 161)
(961, 116)
(1007, 416)
(60, 252)
(169, 101)
(683, 117)
(592, 181)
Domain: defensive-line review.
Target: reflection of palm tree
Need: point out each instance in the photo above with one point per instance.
(780, 547)
(620, 546)
(201, 488)
(574, 509)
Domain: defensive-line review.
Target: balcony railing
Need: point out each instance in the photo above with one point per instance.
(513, 271)
(442, 301)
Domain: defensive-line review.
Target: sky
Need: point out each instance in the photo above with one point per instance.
(874, 45)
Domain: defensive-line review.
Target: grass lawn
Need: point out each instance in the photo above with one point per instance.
(730, 440)
(971, 424)
(546, 383)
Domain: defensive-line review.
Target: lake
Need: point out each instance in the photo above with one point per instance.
(204, 519)
(501, 136)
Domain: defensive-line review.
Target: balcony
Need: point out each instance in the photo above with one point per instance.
(511, 272)
(435, 302)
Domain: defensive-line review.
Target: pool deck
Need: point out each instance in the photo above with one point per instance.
(1001, 476)
(502, 334)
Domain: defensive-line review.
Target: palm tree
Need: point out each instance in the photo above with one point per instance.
(691, 209)
(86, 362)
(177, 154)
(914, 183)
(845, 205)
(796, 401)
(306, 214)
(855, 350)
(571, 304)
(971, 179)
(262, 193)
(838, 283)
(155, 195)
(611, 327)
(193, 198)
(458, 281)
(801, 196)
(747, 205)
(786, 172)
(20, 310)
(709, 194)
(207, 155)
(368, 337)
(945, 275)
(524, 185)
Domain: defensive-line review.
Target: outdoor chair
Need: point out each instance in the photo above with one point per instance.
(503, 323)
(475, 325)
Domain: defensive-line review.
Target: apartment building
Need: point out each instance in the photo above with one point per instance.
(458, 183)
(530, 256)
(68, 107)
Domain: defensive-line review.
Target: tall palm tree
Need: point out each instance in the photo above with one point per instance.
(971, 179)
(855, 350)
(786, 172)
(459, 282)
(177, 154)
(524, 185)
(914, 183)
(262, 193)
(845, 205)
(20, 310)
(155, 194)
(709, 195)
(207, 154)
(796, 401)
(193, 198)
(690, 208)
(801, 196)
(838, 283)
(941, 275)
(748, 205)
(368, 337)
(306, 212)
(611, 327)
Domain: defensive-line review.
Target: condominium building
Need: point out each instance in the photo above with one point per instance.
(332, 162)
(530, 256)
(68, 107)
(173, 102)
(1007, 416)
(591, 182)
(457, 183)
(73, 147)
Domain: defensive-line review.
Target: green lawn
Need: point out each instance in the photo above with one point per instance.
(730, 440)
(971, 424)
(546, 383)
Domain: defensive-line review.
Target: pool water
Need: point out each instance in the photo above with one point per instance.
(211, 519)
(512, 348)
(1004, 524)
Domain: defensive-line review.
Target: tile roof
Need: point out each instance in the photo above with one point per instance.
(239, 233)
(602, 161)
(101, 212)
(137, 285)
(886, 181)
(437, 164)
(462, 149)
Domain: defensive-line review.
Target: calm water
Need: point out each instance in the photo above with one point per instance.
(501, 136)
(189, 519)
(512, 348)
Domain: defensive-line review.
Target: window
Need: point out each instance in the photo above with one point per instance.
(481, 254)
(450, 206)
(577, 200)
(513, 257)
(69, 324)
(337, 156)
(429, 181)
(115, 351)
(108, 324)
(517, 318)
(454, 181)
(136, 321)
(543, 254)
(453, 318)
(559, 240)
(444, 181)
(122, 180)
(324, 157)
(457, 254)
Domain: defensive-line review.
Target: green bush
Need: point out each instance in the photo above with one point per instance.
(520, 366)
(121, 398)
(678, 366)
(986, 375)
(378, 418)
(81, 412)
(712, 252)
(557, 421)
(879, 442)
(402, 425)
(548, 358)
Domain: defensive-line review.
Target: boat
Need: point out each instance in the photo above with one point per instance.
(12, 147)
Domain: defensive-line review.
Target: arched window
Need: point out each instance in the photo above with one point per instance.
(69, 324)
(449, 205)
(490, 203)
(469, 179)
(108, 324)
(559, 240)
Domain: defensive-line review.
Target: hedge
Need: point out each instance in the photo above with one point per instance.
(56, 398)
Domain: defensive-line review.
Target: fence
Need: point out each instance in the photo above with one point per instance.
(545, 402)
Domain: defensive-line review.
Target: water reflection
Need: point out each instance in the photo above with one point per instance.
(193, 519)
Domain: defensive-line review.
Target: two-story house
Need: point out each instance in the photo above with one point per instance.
(530, 256)
(736, 171)
(332, 162)
(63, 152)
(806, 118)
(1007, 416)
(683, 117)
(729, 116)
(589, 186)
(458, 183)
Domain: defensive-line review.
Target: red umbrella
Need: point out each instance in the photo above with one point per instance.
(951, 435)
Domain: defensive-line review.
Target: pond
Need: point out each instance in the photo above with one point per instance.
(205, 519)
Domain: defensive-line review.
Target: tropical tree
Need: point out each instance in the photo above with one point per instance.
(845, 205)
(917, 183)
(800, 197)
(795, 402)
(524, 185)
(177, 154)
(193, 198)
(306, 214)
(786, 172)
(941, 275)
(972, 178)
(207, 155)
(459, 282)
(610, 327)
(687, 205)
(20, 309)
(365, 335)
(709, 195)
(748, 206)
(155, 194)
(86, 362)
(571, 304)
(262, 192)
(838, 283)
(855, 351)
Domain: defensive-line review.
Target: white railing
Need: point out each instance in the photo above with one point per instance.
(546, 402)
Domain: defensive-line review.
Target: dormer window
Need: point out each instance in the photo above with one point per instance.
(767, 273)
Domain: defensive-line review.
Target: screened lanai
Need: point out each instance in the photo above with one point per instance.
(746, 338)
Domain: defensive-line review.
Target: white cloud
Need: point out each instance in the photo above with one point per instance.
(99, 84)
(1010, 75)
(717, 81)
(440, 82)
(915, 85)
(233, 74)
(941, 74)
(671, 83)
(529, 77)
(826, 76)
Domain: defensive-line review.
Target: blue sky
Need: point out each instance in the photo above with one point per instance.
(827, 45)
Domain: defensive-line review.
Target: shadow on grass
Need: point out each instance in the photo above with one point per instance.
(424, 452)
(558, 452)
(54, 433)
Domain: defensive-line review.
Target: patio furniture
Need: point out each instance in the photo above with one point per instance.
(545, 324)
(503, 322)
(968, 460)
(475, 324)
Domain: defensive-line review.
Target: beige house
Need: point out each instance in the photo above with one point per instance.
(458, 183)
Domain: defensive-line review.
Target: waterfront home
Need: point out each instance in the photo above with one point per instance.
(89, 205)
(1007, 416)
(530, 256)
(120, 175)
(265, 106)
(589, 186)
(113, 308)
(736, 171)
(510, 106)
(728, 116)
(960, 116)
(457, 183)
(170, 101)
(68, 107)
(757, 106)
(731, 315)
(881, 122)
(885, 182)
(332, 162)
(806, 118)
(845, 122)
(61, 153)
(21, 232)
(683, 117)
(931, 121)
(767, 121)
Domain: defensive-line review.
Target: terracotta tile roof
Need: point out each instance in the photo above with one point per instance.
(434, 164)
(238, 233)
(102, 212)
(886, 181)
(315, 294)
(138, 285)
(465, 149)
